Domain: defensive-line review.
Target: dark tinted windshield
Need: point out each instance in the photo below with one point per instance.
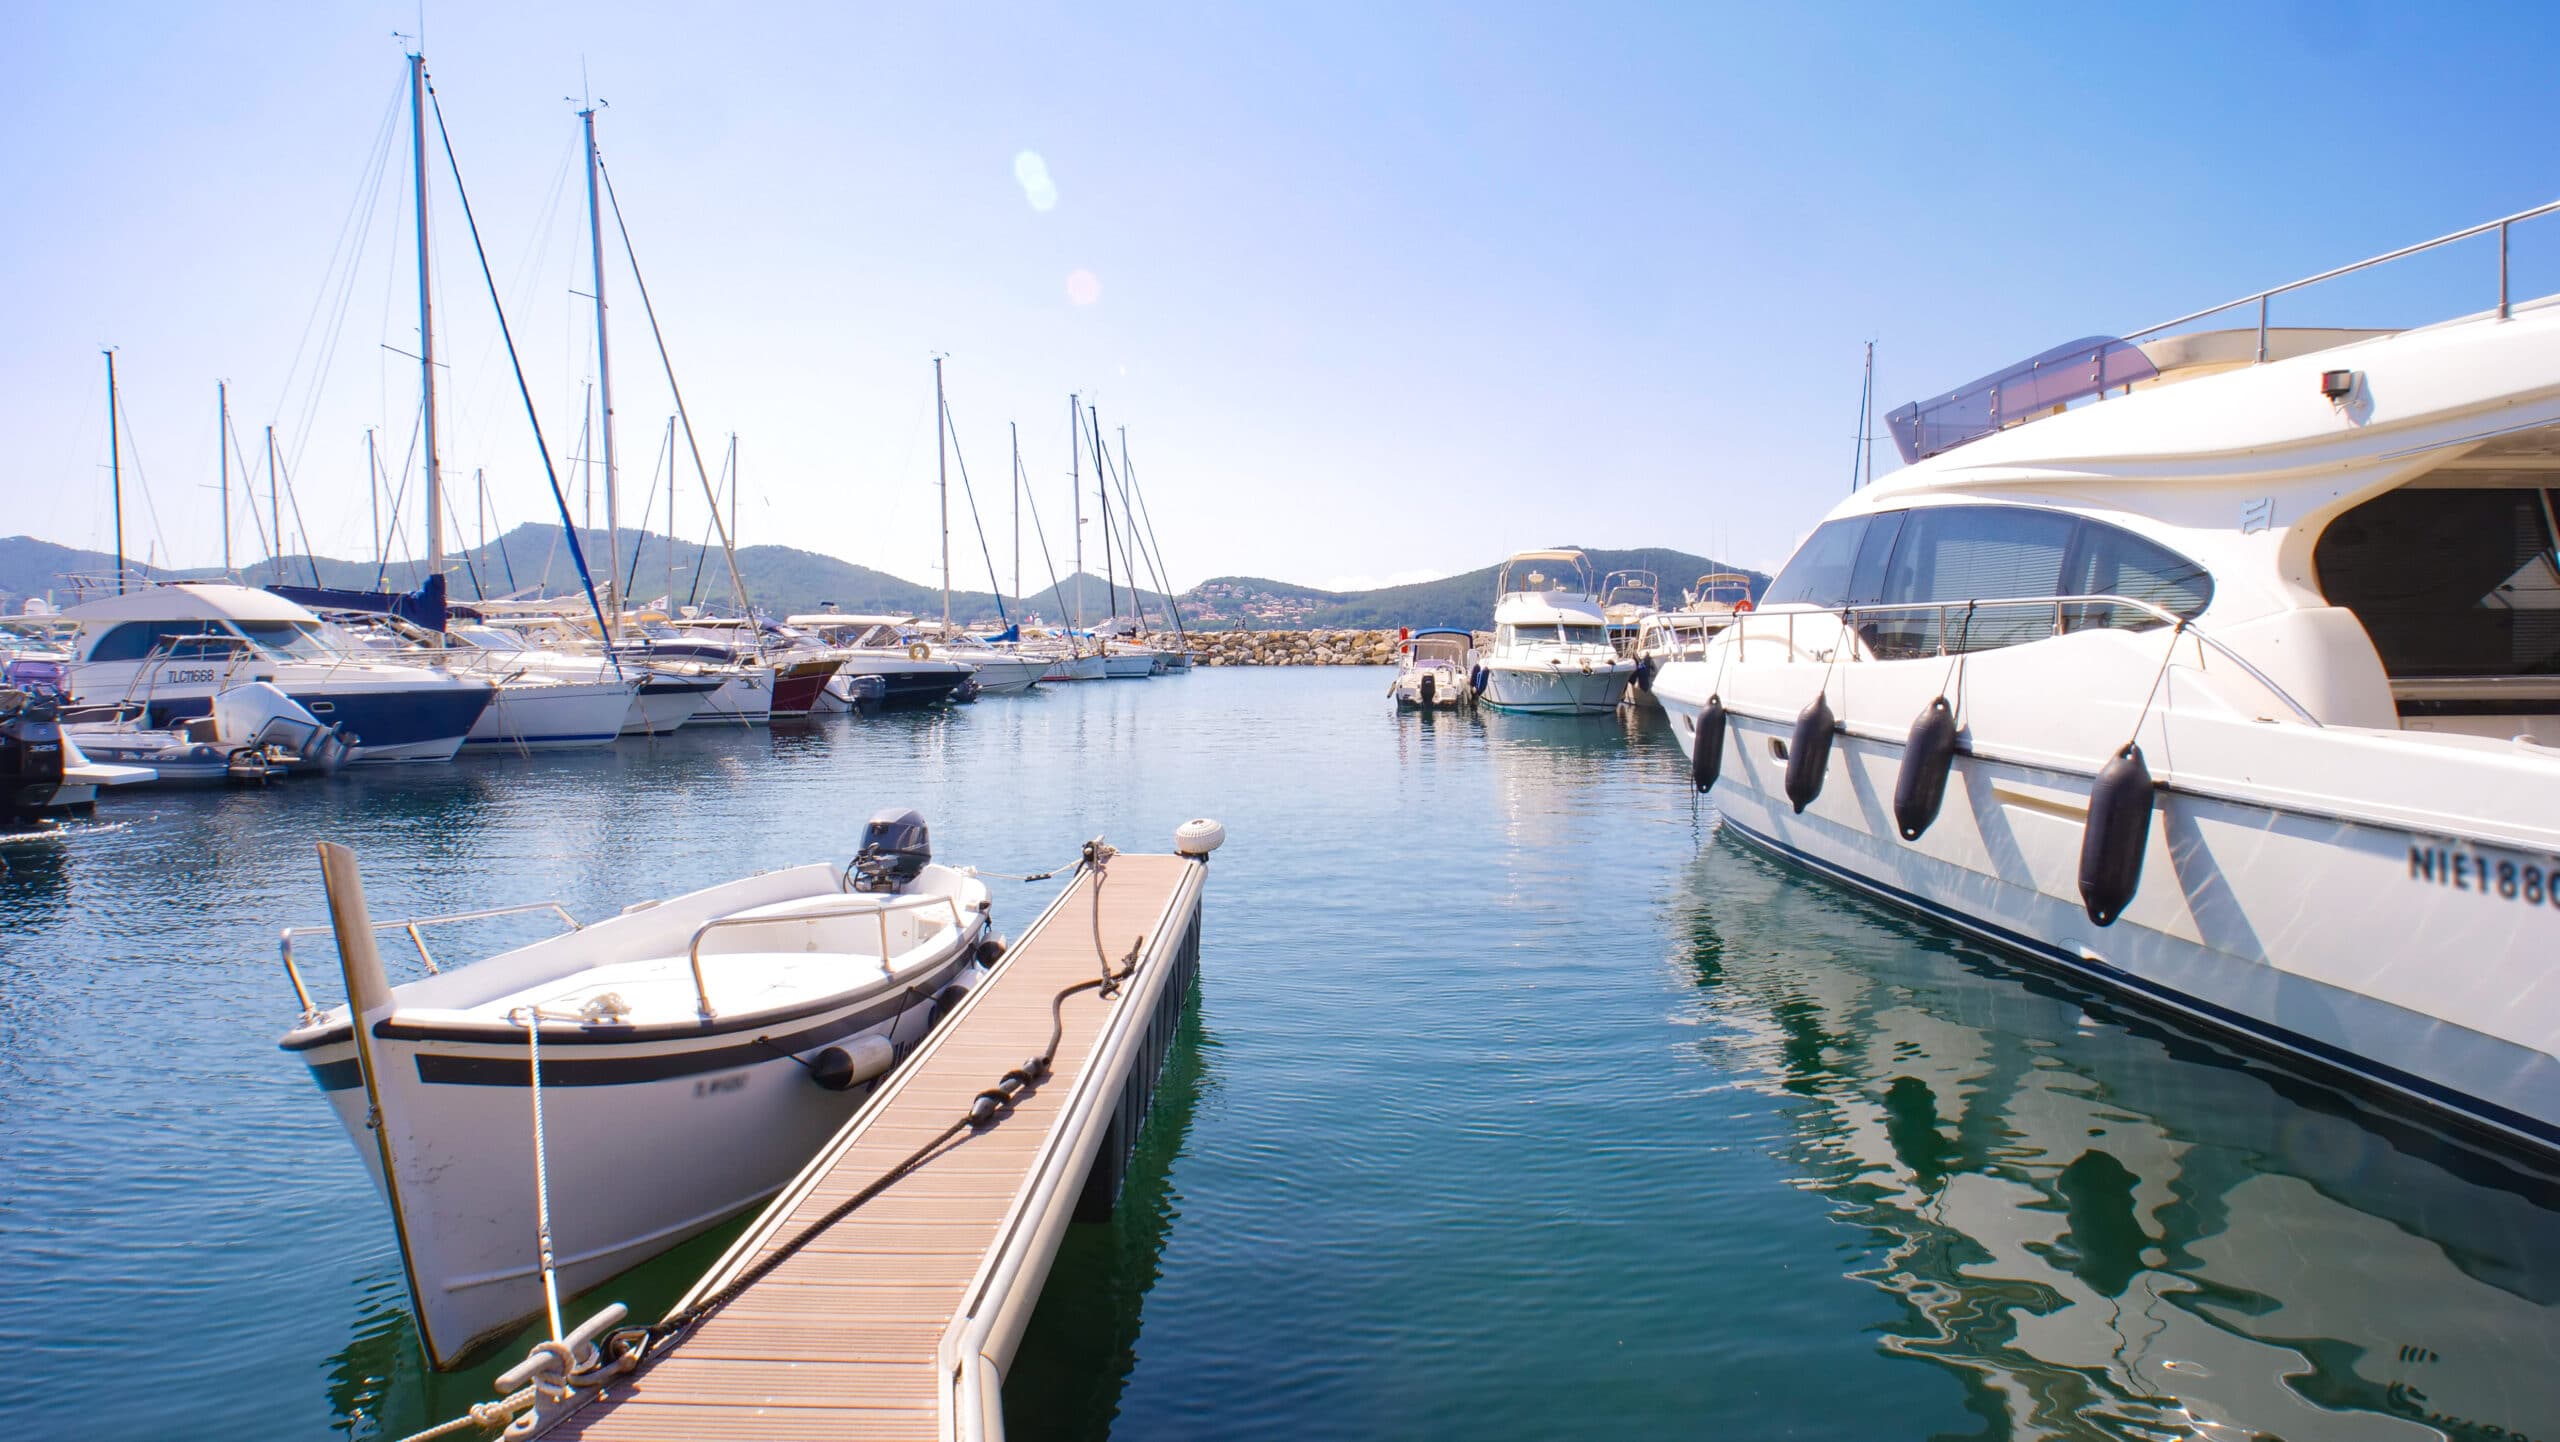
(2450, 582)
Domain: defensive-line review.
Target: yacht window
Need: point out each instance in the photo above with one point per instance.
(2110, 561)
(1867, 576)
(136, 639)
(1818, 573)
(1948, 555)
(1586, 636)
(2450, 582)
(297, 639)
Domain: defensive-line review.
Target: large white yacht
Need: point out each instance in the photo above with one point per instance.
(169, 649)
(1551, 651)
(2220, 667)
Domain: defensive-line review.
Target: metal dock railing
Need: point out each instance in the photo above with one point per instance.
(898, 1320)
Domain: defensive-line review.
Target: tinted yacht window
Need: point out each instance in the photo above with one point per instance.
(1818, 573)
(2450, 582)
(1949, 555)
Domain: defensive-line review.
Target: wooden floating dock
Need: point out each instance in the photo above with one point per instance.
(899, 1321)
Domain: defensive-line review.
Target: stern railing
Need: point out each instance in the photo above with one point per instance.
(415, 926)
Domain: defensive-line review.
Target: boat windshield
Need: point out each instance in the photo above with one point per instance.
(489, 638)
(1568, 635)
(287, 640)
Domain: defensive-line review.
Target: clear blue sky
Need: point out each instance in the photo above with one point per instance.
(1381, 289)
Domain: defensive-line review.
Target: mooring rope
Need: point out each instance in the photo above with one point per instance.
(628, 1347)
(562, 1372)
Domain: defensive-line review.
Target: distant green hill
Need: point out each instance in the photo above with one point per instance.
(1467, 600)
(784, 580)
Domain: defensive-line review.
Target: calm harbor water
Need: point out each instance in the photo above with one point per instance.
(1517, 1102)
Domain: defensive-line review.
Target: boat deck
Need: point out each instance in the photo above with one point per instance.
(898, 1321)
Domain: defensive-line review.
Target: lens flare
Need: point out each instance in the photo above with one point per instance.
(1032, 174)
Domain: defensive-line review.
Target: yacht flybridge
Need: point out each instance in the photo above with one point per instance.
(1551, 652)
(2219, 668)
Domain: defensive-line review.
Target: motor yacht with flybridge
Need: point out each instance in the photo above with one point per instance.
(1551, 653)
(682, 1059)
(2218, 667)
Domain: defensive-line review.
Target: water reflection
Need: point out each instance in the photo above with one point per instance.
(2102, 1224)
(1082, 1341)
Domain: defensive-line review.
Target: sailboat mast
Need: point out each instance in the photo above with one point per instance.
(1102, 493)
(115, 465)
(1017, 510)
(373, 493)
(1867, 428)
(942, 474)
(604, 378)
(671, 517)
(275, 512)
(222, 443)
(1075, 488)
(426, 317)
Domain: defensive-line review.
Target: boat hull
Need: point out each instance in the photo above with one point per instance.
(799, 687)
(1545, 690)
(661, 706)
(1119, 666)
(911, 684)
(552, 716)
(2386, 955)
(650, 1143)
(1074, 668)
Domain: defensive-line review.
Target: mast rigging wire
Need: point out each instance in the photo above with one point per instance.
(995, 586)
(576, 552)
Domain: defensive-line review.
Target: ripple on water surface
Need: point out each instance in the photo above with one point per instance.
(1516, 1103)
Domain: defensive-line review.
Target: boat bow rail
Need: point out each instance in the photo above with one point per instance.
(415, 927)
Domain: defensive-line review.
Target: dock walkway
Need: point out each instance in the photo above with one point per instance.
(898, 1321)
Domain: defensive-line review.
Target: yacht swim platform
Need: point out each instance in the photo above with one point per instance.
(899, 1320)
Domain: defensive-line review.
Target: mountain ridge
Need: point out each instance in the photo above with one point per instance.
(786, 580)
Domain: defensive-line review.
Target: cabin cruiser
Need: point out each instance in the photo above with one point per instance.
(878, 646)
(1627, 597)
(1551, 653)
(1002, 667)
(1432, 668)
(2221, 668)
(1682, 635)
(171, 648)
(796, 668)
(699, 1049)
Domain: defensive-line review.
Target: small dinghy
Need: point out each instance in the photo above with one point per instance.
(253, 732)
(1433, 669)
(693, 1053)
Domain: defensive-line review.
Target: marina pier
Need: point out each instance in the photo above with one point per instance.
(897, 1319)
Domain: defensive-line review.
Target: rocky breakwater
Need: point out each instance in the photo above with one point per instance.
(1294, 648)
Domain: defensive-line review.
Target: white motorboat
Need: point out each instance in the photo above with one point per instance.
(1432, 669)
(878, 646)
(2221, 668)
(170, 649)
(1551, 653)
(794, 667)
(1627, 597)
(251, 733)
(694, 1052)
(1682, 634)
(1070, 661)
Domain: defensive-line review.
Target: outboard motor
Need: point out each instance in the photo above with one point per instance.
(30, 752)
(895, 850)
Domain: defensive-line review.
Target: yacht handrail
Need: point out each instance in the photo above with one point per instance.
(881, 909)
(1740, 628)
(2261, 298)
(412, 926)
